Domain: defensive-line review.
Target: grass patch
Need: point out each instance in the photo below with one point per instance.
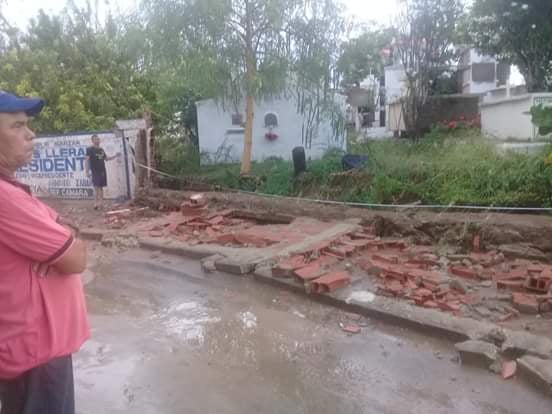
(442, 168)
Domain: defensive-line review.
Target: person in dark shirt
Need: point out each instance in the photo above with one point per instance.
(95, 169)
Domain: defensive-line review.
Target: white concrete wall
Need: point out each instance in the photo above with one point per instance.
(220, 141)
(507, 119)
(394, 83)
(395, 118)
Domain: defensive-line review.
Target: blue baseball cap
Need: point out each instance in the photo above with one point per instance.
(11, 104)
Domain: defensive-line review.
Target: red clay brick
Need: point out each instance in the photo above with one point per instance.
(536, 268)
(393, 244)
(395, 271)
(476, 243)
(331, 281)
(515, 274)
(463, 271)
(188, 210)
(216, 220)
(426, 275)
(342, 251)
(359, 235)
(411, 284)
(156, 233)
(386, 258)
(394, 287)
(510, 284)
(431, 304)
(352, 328)
(470, 299)
(226, 238)
(420, 250)
(522, 263)
(212, 234)
(251, 240)
(538, 284)
(509, 369)
(525, 303)
(450, 306)
(309, 272)
(287, 266)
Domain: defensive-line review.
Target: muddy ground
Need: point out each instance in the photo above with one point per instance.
(168, 338)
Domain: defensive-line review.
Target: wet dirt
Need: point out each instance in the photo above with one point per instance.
(168, 339)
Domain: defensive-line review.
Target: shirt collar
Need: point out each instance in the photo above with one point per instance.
(13, 181)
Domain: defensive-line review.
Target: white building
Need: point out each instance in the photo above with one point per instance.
(395, 78)
(278, 127)
(480, 74)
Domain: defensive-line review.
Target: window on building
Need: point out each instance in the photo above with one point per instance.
(271, 120)
(237, 119)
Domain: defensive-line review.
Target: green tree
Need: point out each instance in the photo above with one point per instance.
(236, 49)
(425, 33)
(77, 66)
(518, 32)
(362, 56)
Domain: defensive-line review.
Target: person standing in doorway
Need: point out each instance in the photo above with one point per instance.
(43, 318)
(95, 169)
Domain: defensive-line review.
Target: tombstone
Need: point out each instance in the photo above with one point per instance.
(299, 160)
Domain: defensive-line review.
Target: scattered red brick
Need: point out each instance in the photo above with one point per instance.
(538, 284)
(362, 235)
(330, 282)
(515, 285)
(341, 251)
(226, 238)
(309, 272)
(470, 299)
(287, 266)
(515, 274)
(536, 268)
(430, 304)
(525, 303)
(351, 328)
(476, 243)
(216, 220)
(449, 306)
(427, 276)
(392, 287)
(386, 258)
(509, 369)
(463, 271)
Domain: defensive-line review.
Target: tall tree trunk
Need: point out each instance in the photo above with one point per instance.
(247, 136)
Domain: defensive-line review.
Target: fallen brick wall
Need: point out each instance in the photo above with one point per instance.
(458, 229)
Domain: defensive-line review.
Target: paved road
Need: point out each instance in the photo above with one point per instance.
(167, 339)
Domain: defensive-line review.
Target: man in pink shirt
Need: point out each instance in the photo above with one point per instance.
(42, 308)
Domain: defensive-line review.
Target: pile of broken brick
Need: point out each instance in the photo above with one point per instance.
(484, 285)
(196, 224)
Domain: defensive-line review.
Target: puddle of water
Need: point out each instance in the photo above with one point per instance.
(186, 320)
(248, 319)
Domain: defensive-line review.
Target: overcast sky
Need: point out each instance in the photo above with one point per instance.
(20, 11)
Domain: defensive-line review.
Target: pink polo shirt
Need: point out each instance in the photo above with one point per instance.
(42, 313)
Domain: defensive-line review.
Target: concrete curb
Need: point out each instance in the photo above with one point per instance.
(523, 345)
